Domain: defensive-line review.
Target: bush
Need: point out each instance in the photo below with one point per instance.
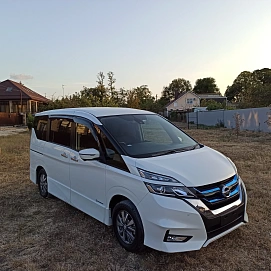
(30, 121)
(220, 124)
(173, 116)
(212, 105)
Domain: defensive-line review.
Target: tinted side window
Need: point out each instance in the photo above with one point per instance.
(112, 156)
(60, 131)
(84, 138)
(40, 127)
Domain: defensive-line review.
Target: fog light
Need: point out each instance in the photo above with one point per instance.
(176, 238)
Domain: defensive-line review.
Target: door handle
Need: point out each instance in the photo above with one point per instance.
(64, 155)
(74, 158)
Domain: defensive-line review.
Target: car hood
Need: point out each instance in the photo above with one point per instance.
(192, 168)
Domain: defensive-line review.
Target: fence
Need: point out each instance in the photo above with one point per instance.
(254, 119)
(10, 119)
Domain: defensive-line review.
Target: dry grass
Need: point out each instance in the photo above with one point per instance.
(39, 234)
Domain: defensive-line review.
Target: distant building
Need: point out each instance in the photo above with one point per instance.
(214, 97)
(16, 100)
(184, 102)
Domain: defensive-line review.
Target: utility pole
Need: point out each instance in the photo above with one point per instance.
(63, 89)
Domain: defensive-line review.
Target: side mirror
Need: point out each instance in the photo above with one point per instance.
(89, 154)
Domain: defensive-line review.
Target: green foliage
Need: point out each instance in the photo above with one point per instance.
(175, 88)
(173, 116)
(100, 95)
(30, 121)
(206, 85)
(212, 105)
(251, 89)
(248, 90)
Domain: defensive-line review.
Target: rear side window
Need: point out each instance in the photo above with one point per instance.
(60, 131)
(40, 127)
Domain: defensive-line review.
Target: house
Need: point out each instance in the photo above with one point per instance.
(17, 100)
(183, 103)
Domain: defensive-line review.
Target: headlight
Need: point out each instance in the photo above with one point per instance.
(164, 190)
(171, 191)
(156, 177)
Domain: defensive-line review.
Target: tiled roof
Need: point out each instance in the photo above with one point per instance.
(10, 90)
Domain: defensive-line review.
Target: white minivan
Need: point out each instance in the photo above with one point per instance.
(136, 171)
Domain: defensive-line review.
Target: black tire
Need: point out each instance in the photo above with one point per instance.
(43, 184)
(128, 226)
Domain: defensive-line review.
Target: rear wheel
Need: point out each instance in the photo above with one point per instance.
(128, 226)
(42, 183)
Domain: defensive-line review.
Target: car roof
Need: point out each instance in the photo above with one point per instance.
(95, 111)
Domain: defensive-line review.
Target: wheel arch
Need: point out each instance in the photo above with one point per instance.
(115, 200)
(117, 194)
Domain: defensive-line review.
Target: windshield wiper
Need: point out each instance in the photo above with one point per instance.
(165, 153)
(176, 150)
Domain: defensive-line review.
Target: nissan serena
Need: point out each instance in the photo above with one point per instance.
(136, 171)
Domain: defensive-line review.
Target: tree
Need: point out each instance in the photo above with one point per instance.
(206, 85)
(111, 85)
(235, 92)
(132, 99)
(257, 96)
(251, 89)
(102, 93)
(122, 97)
(175, 88)
(140, 97)
(263, 76)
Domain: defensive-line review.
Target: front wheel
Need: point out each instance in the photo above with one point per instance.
(128, 226)
(42, 183)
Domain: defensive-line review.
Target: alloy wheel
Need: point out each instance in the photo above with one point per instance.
(126, 227)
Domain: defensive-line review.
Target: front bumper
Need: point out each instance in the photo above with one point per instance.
(166, 215)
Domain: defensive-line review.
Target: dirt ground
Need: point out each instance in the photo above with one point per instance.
(9, 130)
(38, 234)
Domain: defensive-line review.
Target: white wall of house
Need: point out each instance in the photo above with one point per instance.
(186, 101)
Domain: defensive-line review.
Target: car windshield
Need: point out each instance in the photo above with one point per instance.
(147, 135)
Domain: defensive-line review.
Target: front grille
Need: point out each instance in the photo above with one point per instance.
(223, 223)
(212, 195)
(216, 224)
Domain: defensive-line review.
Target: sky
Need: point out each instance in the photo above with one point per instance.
(59, 46)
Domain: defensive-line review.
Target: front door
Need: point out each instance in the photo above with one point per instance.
(87, 178)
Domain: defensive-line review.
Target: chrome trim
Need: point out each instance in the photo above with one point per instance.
(64, 155)
(203, 208)
(222, 209)
(74, 158)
